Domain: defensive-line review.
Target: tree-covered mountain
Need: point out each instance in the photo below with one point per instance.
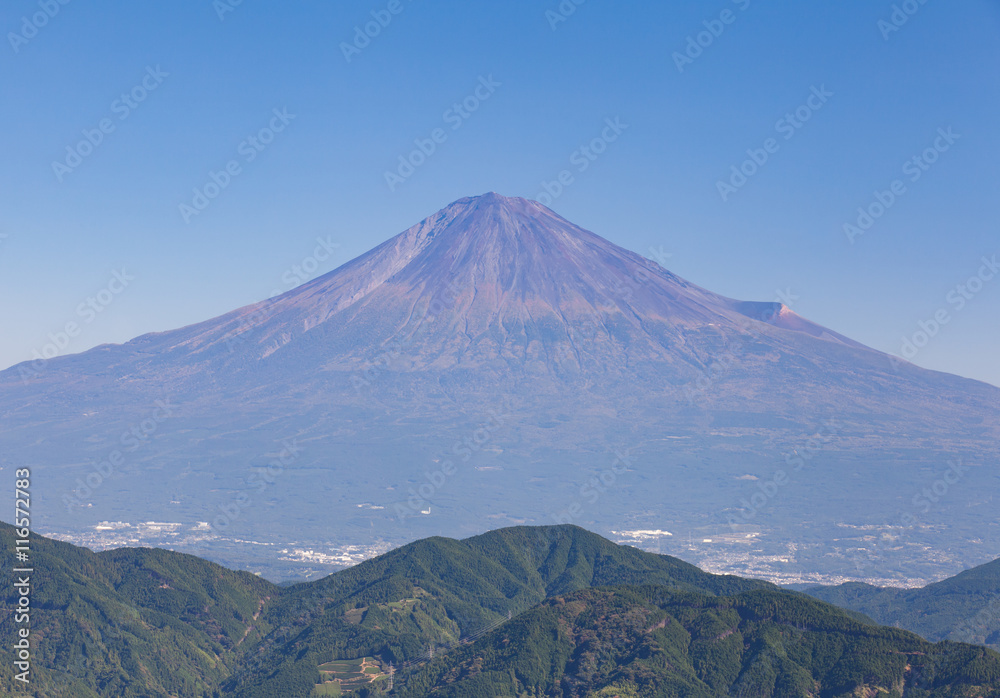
(129, 622)
(142, 622)
(633, 642)
(139, 621)
(437, 590)
(963, 608)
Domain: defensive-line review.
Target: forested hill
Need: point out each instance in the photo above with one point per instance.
(454, 588)
(632, 642)
(129, 622)
(963, 608)
(142, 622)
(139, 621)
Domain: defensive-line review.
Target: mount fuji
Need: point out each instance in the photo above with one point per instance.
(496, 365)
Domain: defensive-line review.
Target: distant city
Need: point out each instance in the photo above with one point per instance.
(747, 553)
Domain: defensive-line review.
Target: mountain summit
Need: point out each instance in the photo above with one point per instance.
(504, 281)
(491, 361)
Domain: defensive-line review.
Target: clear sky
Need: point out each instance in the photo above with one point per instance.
(172, 91)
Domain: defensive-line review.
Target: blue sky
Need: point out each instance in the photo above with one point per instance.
(214, 78)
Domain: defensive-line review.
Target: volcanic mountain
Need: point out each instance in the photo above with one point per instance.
(496, 364)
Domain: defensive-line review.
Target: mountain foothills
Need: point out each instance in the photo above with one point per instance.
(525, 611)
(963, 608)
(496, 360)
(627, 642)
(128, 622)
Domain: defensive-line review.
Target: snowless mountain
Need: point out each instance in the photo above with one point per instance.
(496, 364)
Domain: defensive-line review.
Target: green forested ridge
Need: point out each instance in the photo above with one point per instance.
(141, 622)
(130, 622)
(652, 641)
(963, 608)
(468, 584)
